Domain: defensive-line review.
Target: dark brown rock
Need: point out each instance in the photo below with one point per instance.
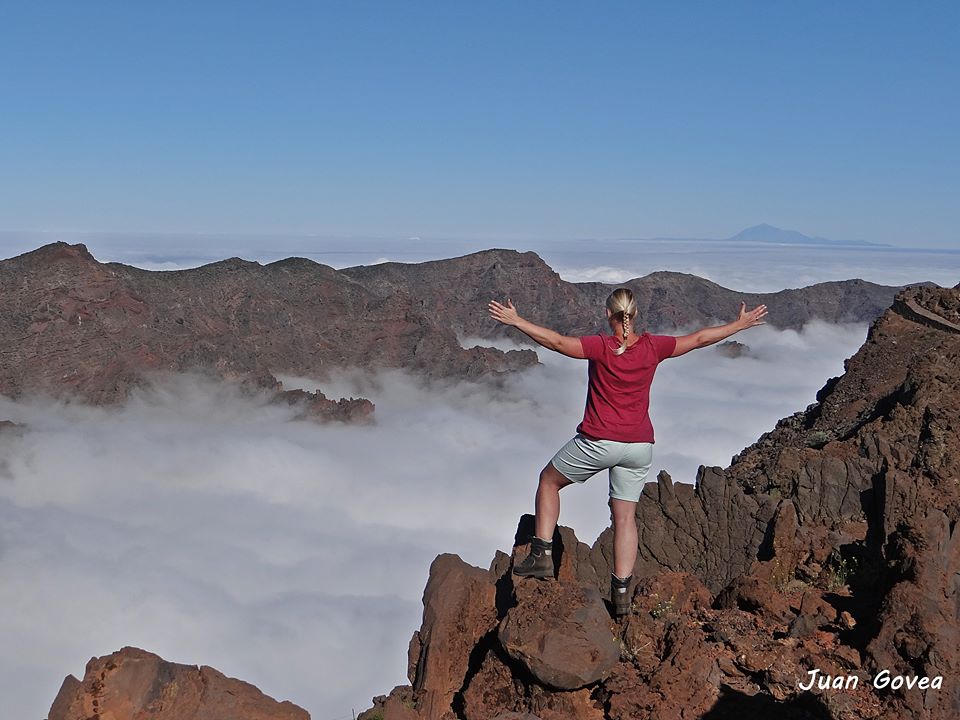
(11, 428)
(732, 349)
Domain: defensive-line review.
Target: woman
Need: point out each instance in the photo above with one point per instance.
(616, 432)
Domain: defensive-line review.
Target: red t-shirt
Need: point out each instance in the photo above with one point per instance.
(618, 393)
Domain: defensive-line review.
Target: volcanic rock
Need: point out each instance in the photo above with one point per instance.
(831, 543)
(458, 610)
(133, 684)
(732, 349)
(72, 326)
(560, 633)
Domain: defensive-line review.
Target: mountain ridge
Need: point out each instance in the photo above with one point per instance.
(71, 326)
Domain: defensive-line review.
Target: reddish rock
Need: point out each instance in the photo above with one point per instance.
(756, 595)
(671, 592)
(676, 677)
(458, 610)
(316, 405)
(814, 613)
(492, 689)
(397, 705)
(565, 705)
(133, 684)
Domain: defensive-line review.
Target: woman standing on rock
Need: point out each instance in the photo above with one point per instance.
(616, 432)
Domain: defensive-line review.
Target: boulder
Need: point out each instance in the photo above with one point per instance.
(560, 632)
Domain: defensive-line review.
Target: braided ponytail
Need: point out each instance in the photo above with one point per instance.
(622, 306)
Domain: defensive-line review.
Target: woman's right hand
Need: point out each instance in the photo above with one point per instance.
(751, 318)
(507, 314)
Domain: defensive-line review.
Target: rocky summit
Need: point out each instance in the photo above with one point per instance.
(818, 576)
(71, 326)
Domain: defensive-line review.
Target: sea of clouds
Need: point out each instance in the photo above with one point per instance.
(215, 529)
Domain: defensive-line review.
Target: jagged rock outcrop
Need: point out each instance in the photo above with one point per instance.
(133, 684)
(9, 427)
(830, 544)
(732, 349)
(459, 609)
(73, 326)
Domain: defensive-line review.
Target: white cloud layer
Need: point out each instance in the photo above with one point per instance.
(214, 529)
(736, 265)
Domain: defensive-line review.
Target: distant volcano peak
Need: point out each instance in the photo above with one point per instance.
(767, 233)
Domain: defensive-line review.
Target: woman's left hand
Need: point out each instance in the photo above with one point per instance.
(749, 319)
(507, 314)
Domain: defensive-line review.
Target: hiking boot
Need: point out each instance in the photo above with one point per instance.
(620, 594)
(539, 563)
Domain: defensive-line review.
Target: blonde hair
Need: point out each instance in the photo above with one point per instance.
(623, 306)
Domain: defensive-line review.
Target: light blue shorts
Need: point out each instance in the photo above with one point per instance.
(629, 462)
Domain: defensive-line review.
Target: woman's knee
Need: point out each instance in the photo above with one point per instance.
(623, 512)
(552, 477)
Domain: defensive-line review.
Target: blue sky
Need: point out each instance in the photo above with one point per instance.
(501, 121)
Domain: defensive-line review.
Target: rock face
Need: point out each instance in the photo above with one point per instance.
(133, 684)
(73, 326)
(457, 291)
(830, 544)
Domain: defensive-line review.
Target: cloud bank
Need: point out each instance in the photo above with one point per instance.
(736, 265)
(212, 528)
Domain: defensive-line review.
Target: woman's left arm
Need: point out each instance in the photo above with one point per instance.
(550, 339)
(710, 335)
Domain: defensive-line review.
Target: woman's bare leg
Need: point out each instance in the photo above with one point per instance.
(548, 500)
(624, 515)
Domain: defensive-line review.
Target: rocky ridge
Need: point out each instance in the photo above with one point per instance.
(830, 544)
(71, 326)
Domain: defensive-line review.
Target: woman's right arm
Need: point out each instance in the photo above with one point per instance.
(710, 335)
(550, 339)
